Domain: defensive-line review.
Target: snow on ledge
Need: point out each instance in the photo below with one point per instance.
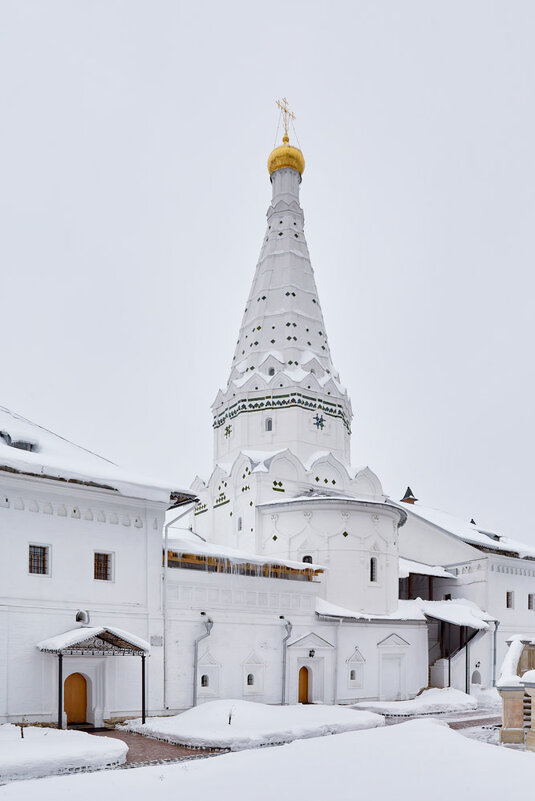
(509, 670)
(186, 542)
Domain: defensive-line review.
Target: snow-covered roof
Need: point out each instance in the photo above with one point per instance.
(27, 448)
(187, 542)
(468, 532)
(407, 566)
(460, 612)
(407, 610)
(76, 638)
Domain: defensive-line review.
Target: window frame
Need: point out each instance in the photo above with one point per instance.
(111, 555)
(48, 549)
(531, 601)
(373, 570)
(356, 682)
(509, 595)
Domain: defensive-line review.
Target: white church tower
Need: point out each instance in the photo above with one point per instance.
(283, 390)
(282, 482)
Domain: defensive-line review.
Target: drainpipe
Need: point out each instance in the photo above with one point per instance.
(496, 624)
(336, 652)
(467, 668)
(209, 623)
(288, 626)
(164, 599)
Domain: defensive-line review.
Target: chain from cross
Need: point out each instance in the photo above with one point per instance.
(286, 113)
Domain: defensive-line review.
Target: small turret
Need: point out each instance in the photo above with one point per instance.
(409, 496)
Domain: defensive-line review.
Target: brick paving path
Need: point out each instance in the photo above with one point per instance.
(467, 724)
(144, 749)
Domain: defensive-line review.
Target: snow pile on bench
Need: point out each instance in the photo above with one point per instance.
(44, 752)
(244, 724)
(414, 761)
(427, 703)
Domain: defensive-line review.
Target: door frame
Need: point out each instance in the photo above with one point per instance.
(401, 656)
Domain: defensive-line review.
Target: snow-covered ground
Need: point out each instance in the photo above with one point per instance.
(427, 703)
(43, 752)
(491, 735)
(488, 698)
(243, 724)
(407, 762)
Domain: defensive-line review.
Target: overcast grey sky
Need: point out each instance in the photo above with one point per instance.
(133, 191)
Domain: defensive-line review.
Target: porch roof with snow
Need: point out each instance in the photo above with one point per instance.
(95, 641)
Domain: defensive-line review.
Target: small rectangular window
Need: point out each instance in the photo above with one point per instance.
(38, 559)
(447, 596)
(102, 567)
(510, 600)
(531, 600)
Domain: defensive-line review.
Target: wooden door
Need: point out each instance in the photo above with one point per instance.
(75, 698)
(303, 685)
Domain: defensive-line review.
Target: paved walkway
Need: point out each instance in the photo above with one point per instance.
(143, 750)
(460, 720)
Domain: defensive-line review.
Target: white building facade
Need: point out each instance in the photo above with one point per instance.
(80, 545)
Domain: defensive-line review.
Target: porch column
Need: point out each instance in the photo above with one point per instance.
(60, 691)
(512, 730)
(143, 703)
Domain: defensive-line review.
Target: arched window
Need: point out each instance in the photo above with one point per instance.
(250, 680)
(204, 680)
(271, 371)
(269, 424)
(373, 569)
(240, 523)
(307, 559)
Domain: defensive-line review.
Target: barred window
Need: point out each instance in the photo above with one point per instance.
(373, 569)
(510, 600)
(38, 561)
(102, 570)
(531, 600)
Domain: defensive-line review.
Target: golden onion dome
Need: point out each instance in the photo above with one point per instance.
(286, 156)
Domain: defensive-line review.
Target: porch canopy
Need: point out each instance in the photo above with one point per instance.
(95, 641)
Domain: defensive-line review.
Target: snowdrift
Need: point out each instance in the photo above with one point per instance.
(44, 752)
(243, 724)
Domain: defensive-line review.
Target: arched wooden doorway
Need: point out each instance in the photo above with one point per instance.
(75, 698)
(303, 685)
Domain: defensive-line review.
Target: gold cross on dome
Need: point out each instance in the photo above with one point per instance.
(286, 115)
